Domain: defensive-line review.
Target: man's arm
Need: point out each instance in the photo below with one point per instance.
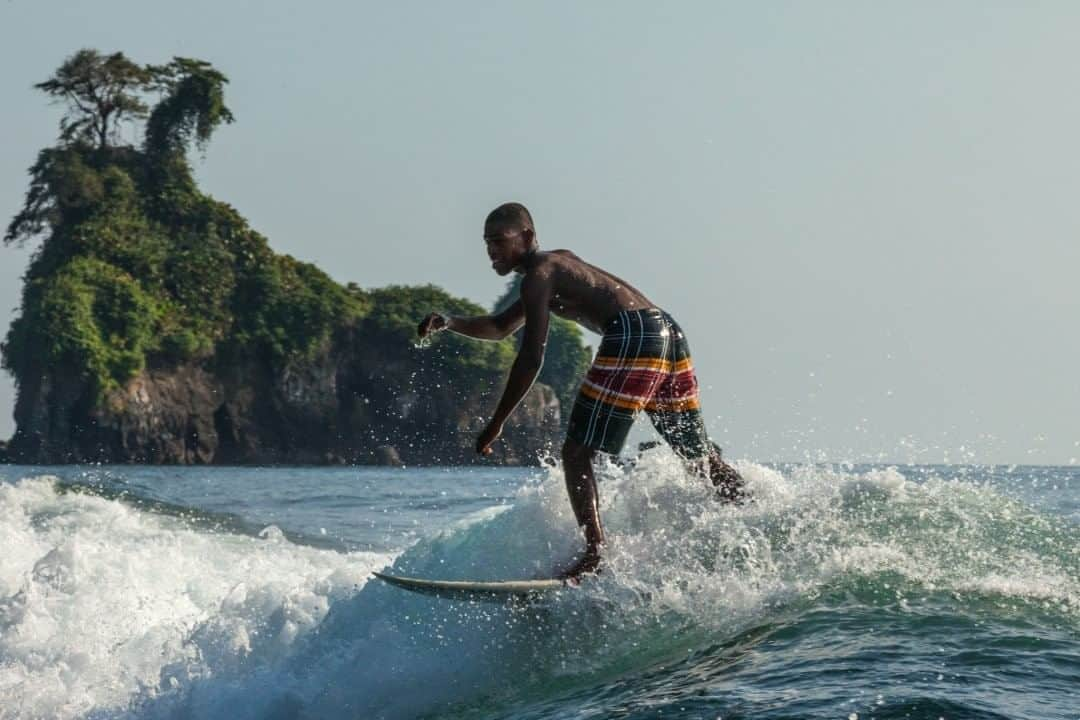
(483, 327)
(535, 295)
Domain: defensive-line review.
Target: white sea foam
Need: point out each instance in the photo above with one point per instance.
(101, 603)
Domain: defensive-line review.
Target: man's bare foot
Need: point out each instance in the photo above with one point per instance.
(589, 563)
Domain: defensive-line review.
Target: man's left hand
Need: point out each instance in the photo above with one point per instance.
(490, 434)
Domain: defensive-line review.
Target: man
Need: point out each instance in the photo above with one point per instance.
(643, 363)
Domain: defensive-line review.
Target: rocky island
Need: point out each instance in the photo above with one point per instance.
(156, 326)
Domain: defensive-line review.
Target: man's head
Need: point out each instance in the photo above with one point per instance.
(510, 237)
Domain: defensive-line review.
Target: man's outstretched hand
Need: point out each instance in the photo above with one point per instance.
(433, 323)
(490, 434)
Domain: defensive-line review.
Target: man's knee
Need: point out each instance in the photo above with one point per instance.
(575, 453)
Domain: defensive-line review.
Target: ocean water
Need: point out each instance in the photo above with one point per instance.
(837, 592)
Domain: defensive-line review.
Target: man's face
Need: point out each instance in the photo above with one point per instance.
(506, 246)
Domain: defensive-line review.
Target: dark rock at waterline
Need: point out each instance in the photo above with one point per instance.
(387, 455)
(3, 452)
(342, 406)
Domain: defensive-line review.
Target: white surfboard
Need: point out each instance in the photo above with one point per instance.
(491, 591)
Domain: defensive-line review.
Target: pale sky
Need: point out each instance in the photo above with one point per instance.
(864, 215)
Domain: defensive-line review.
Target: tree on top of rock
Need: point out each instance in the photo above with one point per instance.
(101, 91)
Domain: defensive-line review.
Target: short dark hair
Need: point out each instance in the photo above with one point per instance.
(510, 213)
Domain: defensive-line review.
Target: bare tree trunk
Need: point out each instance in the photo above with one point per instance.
(103, 131)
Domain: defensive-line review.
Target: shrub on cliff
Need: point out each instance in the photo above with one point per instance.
(91, 316)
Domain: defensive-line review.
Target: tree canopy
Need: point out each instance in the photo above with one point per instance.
(101, 91)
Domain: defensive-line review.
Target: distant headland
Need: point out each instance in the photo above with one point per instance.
(156, 326)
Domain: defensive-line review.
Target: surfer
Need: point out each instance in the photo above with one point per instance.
(643, 363)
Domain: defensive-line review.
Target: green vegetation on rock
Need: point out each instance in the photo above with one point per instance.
(136, 266)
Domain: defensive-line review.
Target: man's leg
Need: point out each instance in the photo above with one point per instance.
(685, 433)
(585, 500)
(675, 411)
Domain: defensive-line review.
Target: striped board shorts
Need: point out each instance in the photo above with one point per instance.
(643, 363)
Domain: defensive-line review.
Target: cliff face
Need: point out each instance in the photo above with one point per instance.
(352, 403)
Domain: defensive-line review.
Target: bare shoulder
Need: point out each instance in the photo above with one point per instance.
(565, 253)
(547, 268)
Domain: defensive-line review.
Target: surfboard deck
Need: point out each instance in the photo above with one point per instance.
(490, 591)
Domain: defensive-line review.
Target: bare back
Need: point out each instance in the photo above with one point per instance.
(583, 292)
